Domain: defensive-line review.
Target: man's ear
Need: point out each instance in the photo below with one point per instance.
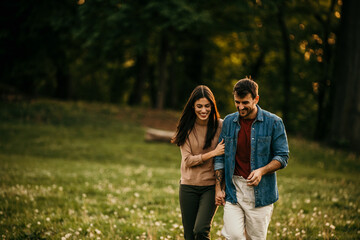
(257, 98)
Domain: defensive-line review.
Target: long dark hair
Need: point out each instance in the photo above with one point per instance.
(188, 117)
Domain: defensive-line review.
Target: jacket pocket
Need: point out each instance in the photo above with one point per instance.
(263, 146)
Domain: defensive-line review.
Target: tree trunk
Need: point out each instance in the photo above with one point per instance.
(194, 60)
(322, 125)
(162, 87)
(62, 75)
(159, 135)
(140, 80)
(287, 68)
(173, 84)
(345, 127)
(152, 86)
(255, 69)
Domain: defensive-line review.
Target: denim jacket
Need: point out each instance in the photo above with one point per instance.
(268, 142)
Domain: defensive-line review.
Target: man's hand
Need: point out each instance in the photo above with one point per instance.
(220, 197)
(219, 188)
(255, 177)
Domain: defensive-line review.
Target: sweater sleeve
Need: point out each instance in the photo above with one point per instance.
(187, 156)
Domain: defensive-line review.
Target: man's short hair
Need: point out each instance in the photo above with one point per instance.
(245, 86)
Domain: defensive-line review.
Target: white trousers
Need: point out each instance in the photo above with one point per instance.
(242, 220)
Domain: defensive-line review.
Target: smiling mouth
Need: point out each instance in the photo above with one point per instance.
(203, 114)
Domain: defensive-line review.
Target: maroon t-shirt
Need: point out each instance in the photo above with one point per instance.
(243, 149)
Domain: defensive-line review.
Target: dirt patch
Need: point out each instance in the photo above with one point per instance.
(165, 120)
(152, 118)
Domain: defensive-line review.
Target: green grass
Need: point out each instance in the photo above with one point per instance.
(83, 171)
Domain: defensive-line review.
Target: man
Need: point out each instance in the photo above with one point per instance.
(255, 147)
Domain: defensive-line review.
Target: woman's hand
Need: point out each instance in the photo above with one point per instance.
(220, 148)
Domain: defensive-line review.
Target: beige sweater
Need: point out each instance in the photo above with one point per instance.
(195, 171)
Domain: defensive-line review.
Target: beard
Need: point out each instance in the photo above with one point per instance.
(245, 112)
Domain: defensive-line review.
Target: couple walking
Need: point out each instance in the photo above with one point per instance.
(230, 162)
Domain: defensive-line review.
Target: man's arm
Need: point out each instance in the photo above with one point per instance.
(219, 187)
(219, 165)
(280, 149)
(279, 144)
(256, 175)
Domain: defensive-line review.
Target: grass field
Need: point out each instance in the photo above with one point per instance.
(84, 171)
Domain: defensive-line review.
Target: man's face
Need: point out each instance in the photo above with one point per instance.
(246, 106)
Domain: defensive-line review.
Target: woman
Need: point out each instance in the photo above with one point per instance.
(197, 135)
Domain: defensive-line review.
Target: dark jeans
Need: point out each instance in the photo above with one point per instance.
(198, 207)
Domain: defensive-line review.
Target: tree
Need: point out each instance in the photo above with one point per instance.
(287, 66)
(323, 89)
(345, 127)
(37, 46)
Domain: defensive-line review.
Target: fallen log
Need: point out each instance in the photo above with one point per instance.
(158, 135)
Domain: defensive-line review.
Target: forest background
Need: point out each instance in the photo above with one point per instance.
(304, 55)
(80, 81)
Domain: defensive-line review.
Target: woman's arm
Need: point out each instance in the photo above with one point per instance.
(194, 160)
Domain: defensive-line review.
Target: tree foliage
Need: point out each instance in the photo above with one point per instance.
(153, 53)
(345, 127)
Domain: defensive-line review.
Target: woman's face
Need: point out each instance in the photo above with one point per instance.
(202, 109)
